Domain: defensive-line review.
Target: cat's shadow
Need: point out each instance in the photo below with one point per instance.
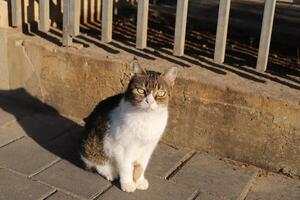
(52, 131)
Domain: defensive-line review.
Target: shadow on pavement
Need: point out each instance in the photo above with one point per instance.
(54, 132)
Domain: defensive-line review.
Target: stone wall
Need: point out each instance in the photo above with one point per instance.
(257, 123)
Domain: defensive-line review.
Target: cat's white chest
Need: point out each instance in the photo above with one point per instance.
(142, 127)
(146, 126)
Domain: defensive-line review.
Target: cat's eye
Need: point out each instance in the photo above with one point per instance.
(140, 91)
(161, 93)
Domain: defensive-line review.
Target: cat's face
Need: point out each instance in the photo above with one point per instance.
(149, 90)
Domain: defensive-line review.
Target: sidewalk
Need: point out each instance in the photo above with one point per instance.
(38, 161)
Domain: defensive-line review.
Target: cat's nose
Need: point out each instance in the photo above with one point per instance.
(150, 99)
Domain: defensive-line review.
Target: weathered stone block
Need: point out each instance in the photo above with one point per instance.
(14, 187)
(214, 178)
(10, 110)
(225, 115)
(61, 196)
(164, 159)
(73, 179)
(67, 145)
(42, 128)
(159, 189)
(11, 132)
(5, 117)
(274, 187)
(25, 156)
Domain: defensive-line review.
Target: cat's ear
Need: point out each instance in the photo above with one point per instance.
(135, 68)
(170, 75)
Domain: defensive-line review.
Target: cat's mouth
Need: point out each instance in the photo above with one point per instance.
(150, 109)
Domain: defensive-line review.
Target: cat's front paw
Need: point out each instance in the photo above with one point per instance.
(110, 177)
(128, 187)
(142, 184)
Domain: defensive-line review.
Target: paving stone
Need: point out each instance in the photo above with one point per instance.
(39, 127)
(214, 178)
(61, 196)
(202, 195)
(274, 187)
(163, 159)
(14, 187)
(69, 177)
(10, 133)
(42, 128)
(67, 145)
(5, 117)
(10, 110)
(25, 156)
(159, 189)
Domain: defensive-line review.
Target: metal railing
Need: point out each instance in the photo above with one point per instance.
(71, 24)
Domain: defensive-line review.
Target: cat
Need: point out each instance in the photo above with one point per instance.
(123, 131)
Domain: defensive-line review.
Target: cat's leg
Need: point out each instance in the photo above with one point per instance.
(141, 166)
(107, 170)
(125, 166)
(114, 172)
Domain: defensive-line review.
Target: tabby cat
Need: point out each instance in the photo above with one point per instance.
(122, 131)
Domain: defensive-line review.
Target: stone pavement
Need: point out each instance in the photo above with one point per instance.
(38, 160)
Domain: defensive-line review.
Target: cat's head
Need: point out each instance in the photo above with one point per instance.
(149, 90)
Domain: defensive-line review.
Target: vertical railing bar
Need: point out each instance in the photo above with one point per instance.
(180, 27)
(44, 23)
(98, 10)
(116, 10)
(71, 21)
(62, 5)
(85, 11)
(142, 24)
(107, 14)
(67, 39)
(92, 10)
(222, 28)
(3, 16)
(75, 17)
(25, 15)
(36, 17)
(265, 35)
(16, 11)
